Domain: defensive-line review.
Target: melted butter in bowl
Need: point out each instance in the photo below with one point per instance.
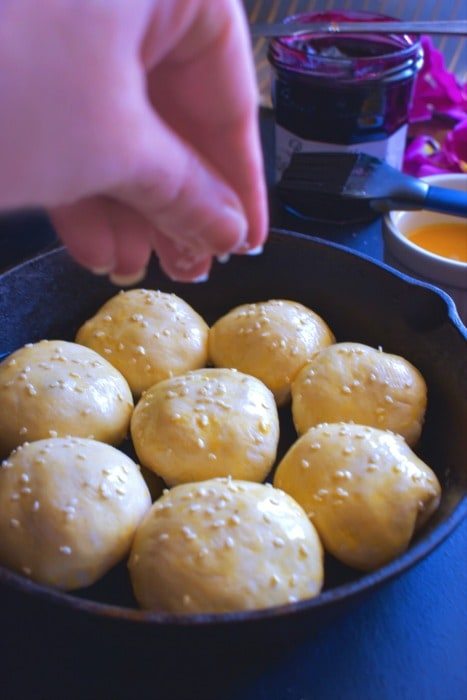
(447, 239)
(431, 246)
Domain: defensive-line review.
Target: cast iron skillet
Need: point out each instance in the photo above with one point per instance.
(50, 296)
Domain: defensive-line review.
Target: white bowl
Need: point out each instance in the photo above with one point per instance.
(400, 252)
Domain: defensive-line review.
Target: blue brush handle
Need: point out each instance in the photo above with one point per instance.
(448, 201)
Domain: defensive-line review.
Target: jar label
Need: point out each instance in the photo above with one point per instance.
(390, 150)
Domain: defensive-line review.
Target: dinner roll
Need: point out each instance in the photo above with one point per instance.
(354, 382)
(69, 508)
(271, 340)
(207, 423)
(363, 488)
(221, 546)
(148, 336)
(55, 388)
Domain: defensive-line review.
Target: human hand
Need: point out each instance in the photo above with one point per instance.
(135, 124)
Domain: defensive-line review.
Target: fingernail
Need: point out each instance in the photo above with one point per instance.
(201, 278)
(238, 222)
(188, 263)
(223, 258)
(104, 270)
(128, 280)
(255, 251)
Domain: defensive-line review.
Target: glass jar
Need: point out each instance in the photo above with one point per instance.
(345, 92)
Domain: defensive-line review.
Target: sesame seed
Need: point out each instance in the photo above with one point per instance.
(35, 506)
(305, 463)
(229, 543)
(278, 542)
(342, 492)
(323, 492)
(163, 537)
(26, 490)
(315, 446)
(348, 450)
(303, 552)
(140, 350)
(65, 549)
(23, 430)
(15, 496)
(274, 580)
(108, 351)
(218, 523)
(200, 442)
(136, 317)
(53, 433)
(188, 533)
(293, 579)
(371, 468)
(107, 317)
(346, 389)
(274, 501)
(120, 491)
(24, 478)
(203, 552)
(234, 520)
(14, 523)
(388, 399)
(32, 391)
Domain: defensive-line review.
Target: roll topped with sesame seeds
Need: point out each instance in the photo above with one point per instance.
(363, 488)
(354, 382)
(224, 546)
(271, 340)
(148, 336)
(69, 508)
(207, 423)
(56, 388)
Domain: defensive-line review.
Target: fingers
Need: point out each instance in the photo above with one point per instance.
(218, 113)
(86, 231)
(106, 238)
(177, 263)
(179, 194)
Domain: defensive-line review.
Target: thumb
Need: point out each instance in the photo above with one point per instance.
(181, 196)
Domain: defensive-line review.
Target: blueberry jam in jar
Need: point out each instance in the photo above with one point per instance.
(341, 92)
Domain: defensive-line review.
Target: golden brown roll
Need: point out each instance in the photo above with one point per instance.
(55, 388)
(364, 490)
(353, 382)
(148, 336)
(221, 546)
(271, 340)
(207, 423)
(69, 508)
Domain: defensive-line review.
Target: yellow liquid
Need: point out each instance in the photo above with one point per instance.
(446, 239)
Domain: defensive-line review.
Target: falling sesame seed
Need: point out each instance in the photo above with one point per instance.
(65, 549)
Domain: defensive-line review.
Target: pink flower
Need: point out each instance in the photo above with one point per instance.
(425, 156)
(437, 94)
(437, 91)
